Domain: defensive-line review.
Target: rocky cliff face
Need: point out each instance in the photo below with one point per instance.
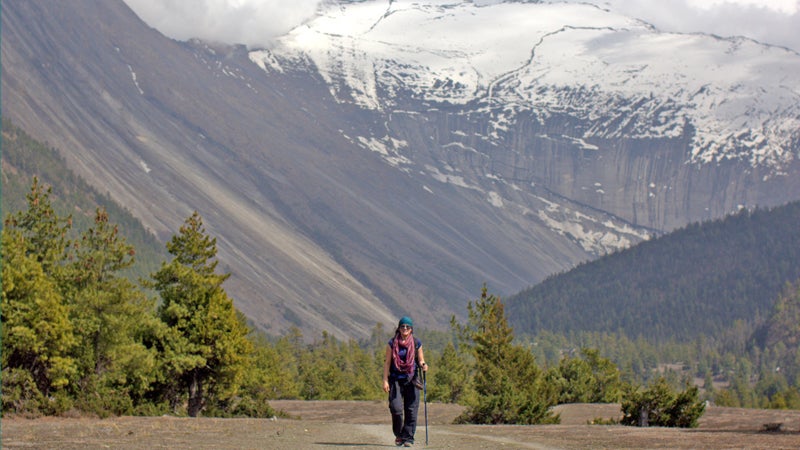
(657, 128)
(647, 182)
(347, 189)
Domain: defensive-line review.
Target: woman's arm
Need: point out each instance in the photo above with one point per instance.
(387, 364)
(421, 359)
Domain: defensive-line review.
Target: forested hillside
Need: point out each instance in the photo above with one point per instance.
(697, 281)
(77, 334)
(24, 158)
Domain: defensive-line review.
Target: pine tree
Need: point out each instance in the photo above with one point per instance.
(590, 379)
(659, 405)
(37, 336)
(206, 345)
(272, 375)
(510, 387)
(112, 316)
(37, 333)
(451, 381)
(322, 371)
(44, 232)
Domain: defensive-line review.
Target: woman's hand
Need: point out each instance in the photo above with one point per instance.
(385, 385)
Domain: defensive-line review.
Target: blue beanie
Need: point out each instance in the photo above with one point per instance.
(405, 320)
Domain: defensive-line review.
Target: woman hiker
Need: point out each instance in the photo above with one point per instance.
(403, 356)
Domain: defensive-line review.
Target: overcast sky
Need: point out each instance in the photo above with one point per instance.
(256, 22)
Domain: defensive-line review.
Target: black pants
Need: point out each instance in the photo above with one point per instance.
(404, 405)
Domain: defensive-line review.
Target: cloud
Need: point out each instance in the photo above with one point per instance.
(768, 21)
(256, 23)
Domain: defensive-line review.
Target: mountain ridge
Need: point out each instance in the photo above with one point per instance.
(693, 282)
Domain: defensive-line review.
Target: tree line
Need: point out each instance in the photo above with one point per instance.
(78, 335)
(719, 298)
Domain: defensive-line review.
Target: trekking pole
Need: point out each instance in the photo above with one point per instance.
(425, 402)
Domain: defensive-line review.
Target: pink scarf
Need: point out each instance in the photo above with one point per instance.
(406, 366)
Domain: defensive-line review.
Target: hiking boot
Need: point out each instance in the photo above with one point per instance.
(398, 442)
(408, 444)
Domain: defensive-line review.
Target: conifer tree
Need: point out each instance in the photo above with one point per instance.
(510, 387)
(206, 346)
(37, 335)
(590, 379)
(321, 371)
(659, 405)
(451, 381)
(112, 316)
(44, 232)
(272, 375)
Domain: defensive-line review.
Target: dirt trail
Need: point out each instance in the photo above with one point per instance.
(365, 425)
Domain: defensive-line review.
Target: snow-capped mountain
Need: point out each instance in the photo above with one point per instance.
(389, 157)
(619, 75)
(603, 77)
